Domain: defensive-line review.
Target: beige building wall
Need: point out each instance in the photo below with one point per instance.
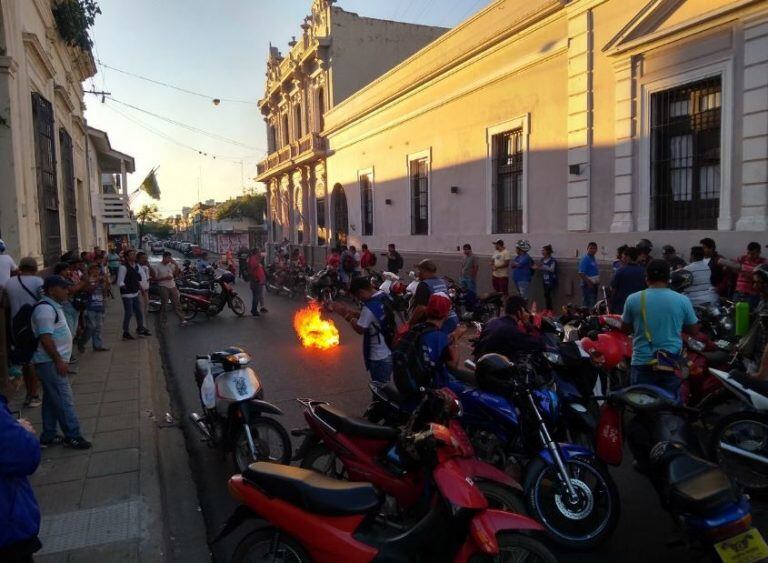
(33, 58)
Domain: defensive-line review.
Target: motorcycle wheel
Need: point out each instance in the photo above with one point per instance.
(517, 547)
(502, 498)
(583, 524)
(270, 544)
(237, 306)
(188, 310)
(746, 431)
(319, 458)
(270, 439)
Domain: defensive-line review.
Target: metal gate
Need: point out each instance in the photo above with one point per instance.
(68, 175)
(47, 193)
(340, 215)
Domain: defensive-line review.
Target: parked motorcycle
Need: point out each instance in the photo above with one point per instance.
(705, 503)
(212, 299)
(348, 447)
(234, 411)
(324, 286)
(739, 441)
(304, 516)
(471, 307)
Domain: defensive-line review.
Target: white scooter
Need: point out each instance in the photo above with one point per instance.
(739, 440)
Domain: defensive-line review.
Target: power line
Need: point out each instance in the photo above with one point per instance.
(186, 126)
(178, 88)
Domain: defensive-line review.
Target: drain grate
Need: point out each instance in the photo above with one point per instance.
(95, 526)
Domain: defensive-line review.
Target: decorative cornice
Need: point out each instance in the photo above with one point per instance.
(9, 66)
(62, 93)
(33, 45)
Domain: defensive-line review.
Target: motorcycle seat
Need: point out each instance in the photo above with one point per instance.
(716, 358)
(311, 490)
(354, 425)
(696, 485)
(754, 384)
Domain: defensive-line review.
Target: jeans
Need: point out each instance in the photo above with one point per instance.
(548, 301)
(132, 306)
(522, 288)
(469, 284)
(257, 296)
(646, 375)
(58, 405)
(589, 293)
(94, 321)
(380, 370)
(501, 285)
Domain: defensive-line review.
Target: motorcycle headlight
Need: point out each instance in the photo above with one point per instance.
(639, 398)
(694, 344)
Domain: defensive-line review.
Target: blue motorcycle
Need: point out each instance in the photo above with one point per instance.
(508, 409)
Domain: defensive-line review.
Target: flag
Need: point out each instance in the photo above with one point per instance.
(150, 185)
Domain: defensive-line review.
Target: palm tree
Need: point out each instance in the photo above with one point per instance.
(147, 213)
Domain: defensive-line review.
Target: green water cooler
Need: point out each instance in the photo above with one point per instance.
(742, 318)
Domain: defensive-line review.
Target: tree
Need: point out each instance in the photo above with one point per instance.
(147, 214)
(252, 206)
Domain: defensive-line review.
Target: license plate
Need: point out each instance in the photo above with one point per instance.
(749, 547)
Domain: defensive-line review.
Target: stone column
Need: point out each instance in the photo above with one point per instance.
(623, 221)
(579, 119)
(754, 165)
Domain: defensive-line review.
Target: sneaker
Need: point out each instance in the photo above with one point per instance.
(264, 310)
(78, 443)
(32, 401)
(256, 314)
(143, 332)
(55, 441)
(128, 336)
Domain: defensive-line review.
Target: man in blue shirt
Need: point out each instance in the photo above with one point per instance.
(656, 317)
(590, 276)
(628, 279)
(521, 266)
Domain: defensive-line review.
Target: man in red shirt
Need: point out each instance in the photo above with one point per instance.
(334, 260)
(258, 279)
(368, 259)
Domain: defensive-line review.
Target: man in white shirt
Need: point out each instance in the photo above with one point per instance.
(129, 281)
(701, 292)
(164, 274)
(7, 265)
(26, 288)
(500, 260)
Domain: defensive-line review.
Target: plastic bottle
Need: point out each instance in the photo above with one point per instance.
(742, 318)
(208, 390)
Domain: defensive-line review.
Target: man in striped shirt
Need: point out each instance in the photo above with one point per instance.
(700, 292)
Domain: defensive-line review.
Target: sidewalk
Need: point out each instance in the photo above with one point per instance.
(131, 497)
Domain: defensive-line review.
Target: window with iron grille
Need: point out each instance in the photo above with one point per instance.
(47, 190)
(507, 171)
(366, 198)
(419, 196)
(685, 156)
(68, 177)
(322, 233)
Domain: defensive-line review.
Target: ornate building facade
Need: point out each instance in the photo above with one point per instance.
(337, 53)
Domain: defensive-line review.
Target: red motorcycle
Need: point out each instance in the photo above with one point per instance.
(347, 447)
(305, 516)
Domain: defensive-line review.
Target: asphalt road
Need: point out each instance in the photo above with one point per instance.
(288, 371)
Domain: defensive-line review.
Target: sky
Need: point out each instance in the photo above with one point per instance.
(217, 48)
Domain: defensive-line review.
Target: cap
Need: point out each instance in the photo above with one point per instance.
(668, 249)
(427, 265)
(438, 306)
(54, 281)
(501, 242)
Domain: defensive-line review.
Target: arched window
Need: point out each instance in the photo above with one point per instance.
(321, 108)
(340, 215)
(286, 133)
(272, 139)
(297, 128)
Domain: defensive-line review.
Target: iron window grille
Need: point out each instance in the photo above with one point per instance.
(419, 196)
(340, 215)
(685, 156)
(47, 190)
(507, 174)
(68, 177)
(322, 233)
(366, 197)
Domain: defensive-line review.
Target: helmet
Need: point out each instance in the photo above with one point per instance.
(523, 245)
(492, 372)
(644, 245)
(680, 279)
(761, 273)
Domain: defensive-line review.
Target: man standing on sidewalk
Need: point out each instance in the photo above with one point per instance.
(500, 268)
(589, 272)
(129, 282)
(258, 280)
(164, 274)
(470, 264)
(51, 361)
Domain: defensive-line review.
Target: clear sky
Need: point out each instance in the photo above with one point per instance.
(218, 48)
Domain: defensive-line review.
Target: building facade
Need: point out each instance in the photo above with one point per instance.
(562, 122)
(337, 53)
(45, 206)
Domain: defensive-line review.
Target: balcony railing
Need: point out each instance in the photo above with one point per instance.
(309, 145)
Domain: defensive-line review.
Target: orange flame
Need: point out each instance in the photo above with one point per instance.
(313, 330)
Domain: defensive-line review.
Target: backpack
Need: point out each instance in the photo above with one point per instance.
(23, 337)
(409, 369)
(348, 263)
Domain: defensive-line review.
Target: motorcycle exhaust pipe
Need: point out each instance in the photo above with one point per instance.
(199, 424)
